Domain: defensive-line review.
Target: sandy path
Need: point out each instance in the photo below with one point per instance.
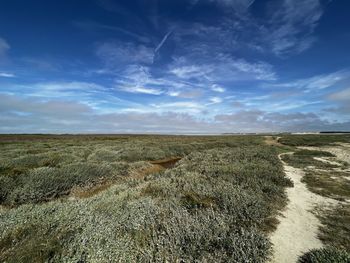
(297, 230)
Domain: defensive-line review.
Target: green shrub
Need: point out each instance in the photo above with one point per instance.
(335, 228)
(313, 153)
(215, 205)
(325, 255)
(313, 139)
(45, 183)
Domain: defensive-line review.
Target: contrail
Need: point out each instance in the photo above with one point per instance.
(163, 41)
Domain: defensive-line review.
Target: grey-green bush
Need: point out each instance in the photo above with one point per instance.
(325, 255)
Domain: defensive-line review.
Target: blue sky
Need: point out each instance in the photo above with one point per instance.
(164, 66)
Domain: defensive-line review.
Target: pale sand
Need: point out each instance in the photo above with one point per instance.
(298, 227)
(324, 160)
(341, 151)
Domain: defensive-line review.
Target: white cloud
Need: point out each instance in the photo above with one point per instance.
(7, 75)
(259, 70)
(191, 107)
(190, 71)
(227, 68)
(63, 89)
(67, 90)
(256, 120)
(33, 115)
(220, 67)
(137, 80)
(164, 107)
(179, 104)
(323, 82)
(318, 82)
(186, 93)
(215, 100)
(217, 88)
(92, 94)
(74, 85)
(135, 89)
(173, 93)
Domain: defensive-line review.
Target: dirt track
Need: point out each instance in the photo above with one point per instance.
(297, 230)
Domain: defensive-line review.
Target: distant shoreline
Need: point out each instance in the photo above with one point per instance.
(174, 134)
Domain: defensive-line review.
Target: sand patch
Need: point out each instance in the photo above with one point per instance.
(341, 151)
(270, 140)
(324, 160)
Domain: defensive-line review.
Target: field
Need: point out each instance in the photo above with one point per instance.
(108, 198)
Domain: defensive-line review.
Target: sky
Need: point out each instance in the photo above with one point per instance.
(174, 67)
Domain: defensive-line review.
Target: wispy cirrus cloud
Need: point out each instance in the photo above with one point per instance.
(237, 5)
(191, 71)
(139, 79)
(285, 28)
(51, 89)
(96, 26)
(188, 93)
(140, 89)
(191, 107)
(293, 25)
(59, 89)
(4, 47)
(92, 94)
(220, 68)
(179, 105)
(117, 53)
(7, 75)
(259, 70)
(318, 82)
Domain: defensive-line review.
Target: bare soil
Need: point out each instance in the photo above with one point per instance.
(167, 163)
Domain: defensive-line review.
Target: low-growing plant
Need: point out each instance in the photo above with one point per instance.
(313, 139)
(215, 205)
(45, 183)
(335, 228)
(330, 183)
(325, 255)
(305, 158)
